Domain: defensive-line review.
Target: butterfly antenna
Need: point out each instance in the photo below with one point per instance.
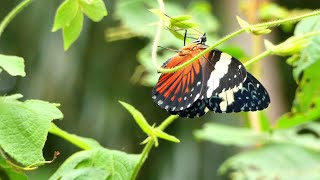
(170, 49)
(184, 38)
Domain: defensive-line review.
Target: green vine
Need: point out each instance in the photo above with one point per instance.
(12, 14)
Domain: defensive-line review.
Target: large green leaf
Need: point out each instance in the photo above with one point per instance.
(275, 161)
(24, 127)
(13, 65)
(8, 172)
(107, 164)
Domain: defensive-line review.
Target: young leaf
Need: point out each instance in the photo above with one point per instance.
(114, 164)
(24, 127)
(13, 65)
(65, 14)
(230, 135)
(94, 9)
(73, 30)
(138, 117)
(275, 161)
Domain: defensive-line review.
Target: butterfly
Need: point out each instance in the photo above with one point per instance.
(216, 81)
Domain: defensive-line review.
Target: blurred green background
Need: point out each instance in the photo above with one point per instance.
(90, 78)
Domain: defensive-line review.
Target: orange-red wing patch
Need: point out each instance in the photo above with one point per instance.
(178, 90)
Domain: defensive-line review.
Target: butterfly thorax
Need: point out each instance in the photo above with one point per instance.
(191, 49)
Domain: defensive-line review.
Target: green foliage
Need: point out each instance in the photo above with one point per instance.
(270, 153)
(311, 53)
(152, 132)
(24, 127)
(98, 163)
(73, 30)
(65, 14)
(7, 172)
(69, 17)
(274, 161)
(13, 65)
(94, 9)
(227, 135)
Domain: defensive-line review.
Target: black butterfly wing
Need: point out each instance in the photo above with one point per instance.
(251, 96)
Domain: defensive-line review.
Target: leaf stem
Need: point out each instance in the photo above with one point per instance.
(230, 36)
(257, 58)
(69, 137)
(4, 23)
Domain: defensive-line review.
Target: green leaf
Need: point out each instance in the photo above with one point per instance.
(165, 136)
(275, 161)
(309, 56)
(94, 9)
(114, 164)
(311, 53)
(306, 105)
(13, 65)
(73, 30)
(24, 127)
(138, 117)
(66, 12)
(180, 18)
(230, 135)
(8, 172)
(308, 25)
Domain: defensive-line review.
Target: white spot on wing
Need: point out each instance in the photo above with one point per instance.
(197, 96)
(160, 102)
(154, 97)
(223, 106)
(206, 110)
(220, 69)
(198, 83)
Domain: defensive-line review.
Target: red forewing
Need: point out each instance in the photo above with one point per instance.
(179, 90)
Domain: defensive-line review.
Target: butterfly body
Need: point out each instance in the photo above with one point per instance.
(216, 81)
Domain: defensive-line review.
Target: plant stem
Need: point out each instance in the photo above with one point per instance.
(149, 145)
(144, 156)
(12, 14)
(69, 137)
(230, 36)
(157, 36)
(257, 58)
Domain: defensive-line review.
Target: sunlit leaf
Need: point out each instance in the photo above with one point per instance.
(65, 14)
(94, 9)
(13, 65)
(73, 30)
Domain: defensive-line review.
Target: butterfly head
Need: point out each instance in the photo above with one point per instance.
(201, 40)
